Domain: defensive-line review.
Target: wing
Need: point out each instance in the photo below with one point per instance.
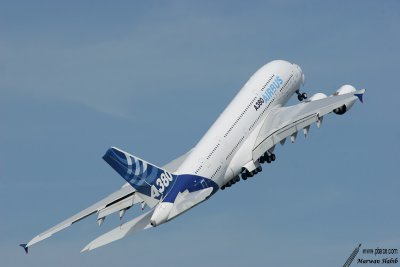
(283, 122)
(184, 202)
(121, 200)
(124, 198)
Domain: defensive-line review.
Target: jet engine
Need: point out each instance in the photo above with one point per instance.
(345, 89)
(318, 96)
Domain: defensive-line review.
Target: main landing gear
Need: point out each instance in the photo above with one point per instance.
(267, 157)
(231, 182)
(301, 95)
(245, 174)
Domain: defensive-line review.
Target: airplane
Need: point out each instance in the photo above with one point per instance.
(242, 139)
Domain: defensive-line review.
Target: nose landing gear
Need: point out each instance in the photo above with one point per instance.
(301, 95)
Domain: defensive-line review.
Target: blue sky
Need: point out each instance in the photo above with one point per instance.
(80, 76)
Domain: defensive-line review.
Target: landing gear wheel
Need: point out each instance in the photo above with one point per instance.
(273, 157)
(223, 187)
(300, 97)
(268, 159)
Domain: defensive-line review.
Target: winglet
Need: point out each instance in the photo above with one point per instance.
(360, 95)
(25, 247)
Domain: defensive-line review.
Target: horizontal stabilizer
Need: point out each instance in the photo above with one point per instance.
(140, 223)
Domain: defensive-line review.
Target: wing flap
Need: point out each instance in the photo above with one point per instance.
(123, 204)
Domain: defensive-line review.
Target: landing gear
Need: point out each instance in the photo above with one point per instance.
(259, 169)
(231, 182)
(301, 96)
(267, 157)
(244, 174)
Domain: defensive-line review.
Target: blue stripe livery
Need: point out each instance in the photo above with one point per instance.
(146, 178)
(151, 180)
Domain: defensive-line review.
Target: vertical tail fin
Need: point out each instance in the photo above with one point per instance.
(146, 178)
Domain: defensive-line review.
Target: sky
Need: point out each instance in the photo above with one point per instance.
(150, 77)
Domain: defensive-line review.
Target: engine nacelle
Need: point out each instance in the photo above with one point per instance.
(340, 110)
(345, 89)
(318, 96)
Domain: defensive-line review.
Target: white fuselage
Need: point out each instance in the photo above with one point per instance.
(225, 148)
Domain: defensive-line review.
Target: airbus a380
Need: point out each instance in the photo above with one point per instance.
(242, 138)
